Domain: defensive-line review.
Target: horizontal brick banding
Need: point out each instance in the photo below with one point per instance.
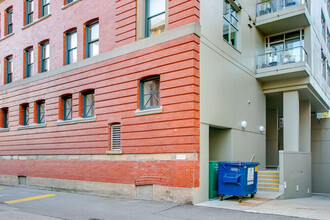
(115, 82)
(124, 172)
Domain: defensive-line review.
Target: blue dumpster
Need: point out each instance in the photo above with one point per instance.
(237, 179)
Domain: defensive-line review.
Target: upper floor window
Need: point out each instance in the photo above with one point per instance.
(328, 78)
(25, 114)
(71, 47)
(149, 93)
(41, 112)
(283, 49)
(92, 39)
(88, 104)
(29, 8)
(230, 24)
(5, 121)
(328, 40)
(9, 69)
(28, 62)
(9, 21)
(155, 17)
(67, 107)
(115, 139)
(44, 57)
(45, 7)
(323, 62)
(323, 24)
(285, 41)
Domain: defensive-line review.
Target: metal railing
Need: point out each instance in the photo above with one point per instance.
(270, 6)
(290, 55)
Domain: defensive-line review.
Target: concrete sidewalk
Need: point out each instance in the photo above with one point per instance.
(315, 207)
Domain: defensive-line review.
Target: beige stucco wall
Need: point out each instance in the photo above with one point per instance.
(320, 155)
(230, 92)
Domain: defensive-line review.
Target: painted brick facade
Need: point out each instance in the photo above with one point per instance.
(115, 83)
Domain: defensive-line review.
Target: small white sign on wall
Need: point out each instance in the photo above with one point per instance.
(250, 176)
(181, 156)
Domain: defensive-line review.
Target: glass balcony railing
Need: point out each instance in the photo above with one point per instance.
(290, 55)
(270, 6)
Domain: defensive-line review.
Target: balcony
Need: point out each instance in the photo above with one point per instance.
(284, 64)
(275, 16)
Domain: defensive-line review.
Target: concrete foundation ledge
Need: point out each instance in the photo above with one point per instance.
(116, 190)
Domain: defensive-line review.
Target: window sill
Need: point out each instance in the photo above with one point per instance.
(115, 152)
(232, 46)
(70, 4)
(75, 121)
(4, 129)
(151, 111)
(36, 21)
(31, 126)
(7, 36)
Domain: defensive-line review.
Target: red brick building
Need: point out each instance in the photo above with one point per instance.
(90, 101)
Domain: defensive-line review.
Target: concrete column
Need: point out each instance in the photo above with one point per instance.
(291, 121)
(202, 193)
(305, 126)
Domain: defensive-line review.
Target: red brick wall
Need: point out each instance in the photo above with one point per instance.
(115, 82)
(176, 129)
(167, 173)
(117, 21)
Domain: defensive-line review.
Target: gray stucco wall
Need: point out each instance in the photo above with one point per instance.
(229, 91)
(295, 174)
(321, 155)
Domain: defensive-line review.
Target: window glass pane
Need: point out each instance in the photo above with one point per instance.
(46, 50)
(156, 7)
(46, 65)
(277, 47)
(276, 38)
(151, 93)
(10, 16)
(41, 113)
(295, 34)
(234, 22)
(89, 105)
(234, 36)
(73, 56)
(226, 10)
(10, 65)
(5, 112)
(157, 24)
(292, 43)
(26, 115)
(30, 70)
(94, 49)
(68, 108)
(30, 56)
(225, 30)
(72, 38)
(94, 32)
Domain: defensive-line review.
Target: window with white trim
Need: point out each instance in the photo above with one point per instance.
(230, 24)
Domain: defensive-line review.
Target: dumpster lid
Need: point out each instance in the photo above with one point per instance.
(238, 163)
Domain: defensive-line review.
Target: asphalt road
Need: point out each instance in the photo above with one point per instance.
(31, 204)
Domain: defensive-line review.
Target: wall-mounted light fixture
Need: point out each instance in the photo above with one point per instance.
(243, 124)
(262, 129)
